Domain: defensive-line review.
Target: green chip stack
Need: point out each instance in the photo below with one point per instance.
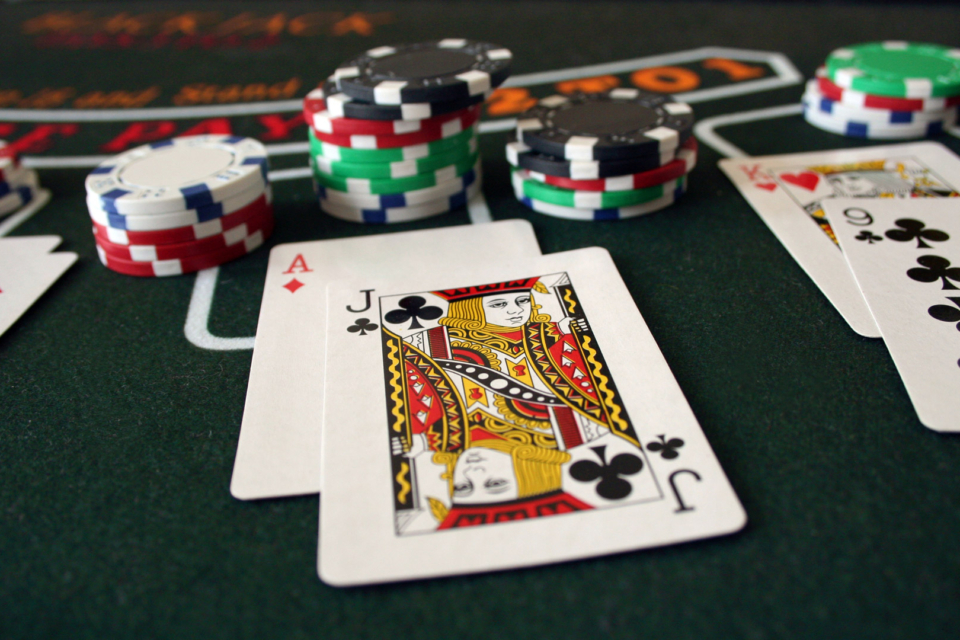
(890, 90)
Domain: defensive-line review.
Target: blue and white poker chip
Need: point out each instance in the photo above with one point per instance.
(597, 215)
(857, 127)
(17, 176)
(178, 174)
(391, 215)
(16, 198)
(175, 219)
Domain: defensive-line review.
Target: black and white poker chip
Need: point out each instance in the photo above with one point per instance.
(520, 155)
(616, 125)
(340, 105)
(442, 70)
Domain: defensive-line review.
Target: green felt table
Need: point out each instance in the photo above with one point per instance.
(118, 428)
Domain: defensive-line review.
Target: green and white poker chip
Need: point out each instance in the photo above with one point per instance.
(897, 68)
(395, 170)
(405, 199)
(399, 185)
(396, 154)
(590, 199)
(611, 213)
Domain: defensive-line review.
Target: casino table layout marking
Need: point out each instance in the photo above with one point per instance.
(786, 74)
(196, 324)
(705, 130)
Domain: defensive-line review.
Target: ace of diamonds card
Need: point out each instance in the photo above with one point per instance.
(509, 415)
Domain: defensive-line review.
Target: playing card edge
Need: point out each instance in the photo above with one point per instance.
(245, 494)
(33, 244)
(249, 482)
(66, 259)
(931, 145)
(329, 576)
(400, 235)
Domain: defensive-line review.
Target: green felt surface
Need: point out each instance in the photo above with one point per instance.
(117, 435)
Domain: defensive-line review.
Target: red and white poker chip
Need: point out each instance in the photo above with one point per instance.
(210, 244)
(451, 127)
(854, 98)
(321, 121)
(178, 266)
(684, 163)
(189, 233)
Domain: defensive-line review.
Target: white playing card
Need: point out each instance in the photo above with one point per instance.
(27, 269)
(788, 193)
(508, 415)
(278, 453)
(905, 256)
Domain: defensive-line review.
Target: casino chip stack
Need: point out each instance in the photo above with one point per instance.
(602, 156)
(181, 205)
(885, 90)
(393, 133)
(18, 185)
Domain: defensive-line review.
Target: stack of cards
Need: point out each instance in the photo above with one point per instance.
(788, 193)
(903, 190)
(519, 404)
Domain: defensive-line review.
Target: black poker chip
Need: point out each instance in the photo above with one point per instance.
(616, 125)
(520, 155)
(442, 70)
(341, 105)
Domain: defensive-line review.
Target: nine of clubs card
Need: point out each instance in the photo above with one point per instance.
(905, 256)
(522, 408)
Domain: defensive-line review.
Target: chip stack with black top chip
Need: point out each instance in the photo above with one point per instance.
(602, 156)
(393, 132)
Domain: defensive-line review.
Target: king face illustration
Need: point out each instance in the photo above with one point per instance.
(882, 178)
(493, 405)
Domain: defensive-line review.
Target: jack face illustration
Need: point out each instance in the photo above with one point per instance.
(501, 408)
